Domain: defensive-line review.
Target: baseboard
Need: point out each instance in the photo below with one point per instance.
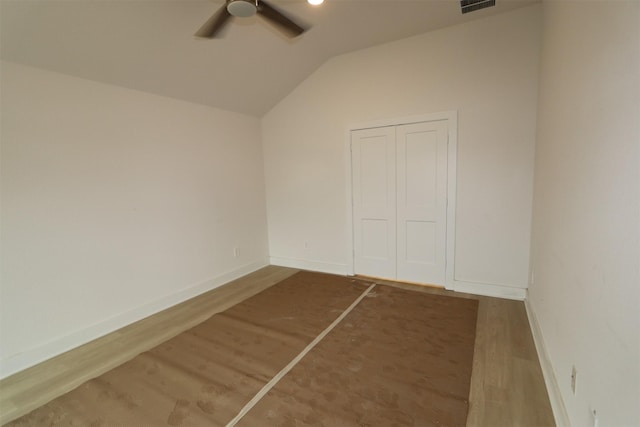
(302, 264)
(499, 291)
(489, 290)
(553, 390)
(32, 357)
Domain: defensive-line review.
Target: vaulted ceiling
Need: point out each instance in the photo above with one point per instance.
(148, 45)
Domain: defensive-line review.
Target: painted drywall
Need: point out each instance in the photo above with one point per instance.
(487, 70)
(116, 204)
(585, 293)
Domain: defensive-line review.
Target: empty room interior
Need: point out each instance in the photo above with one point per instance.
(353, 213)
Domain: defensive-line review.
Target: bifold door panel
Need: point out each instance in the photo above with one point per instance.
(400, 201)
(374, 208)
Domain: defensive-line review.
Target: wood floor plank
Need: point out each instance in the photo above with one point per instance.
(241, 348)
(33, 387)
(507, 386)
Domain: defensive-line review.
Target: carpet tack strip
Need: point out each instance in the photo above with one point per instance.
(296, 360)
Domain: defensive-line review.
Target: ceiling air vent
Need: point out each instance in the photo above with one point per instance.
(471, 5)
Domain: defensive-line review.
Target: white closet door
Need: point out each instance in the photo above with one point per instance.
(374, 201)
(422, 202)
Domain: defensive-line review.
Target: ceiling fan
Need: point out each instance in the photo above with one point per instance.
(246, 8)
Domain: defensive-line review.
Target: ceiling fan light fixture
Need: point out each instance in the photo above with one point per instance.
(242, 8)
(246, 8)
(315, 2)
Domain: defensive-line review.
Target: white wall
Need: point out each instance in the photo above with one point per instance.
(487, 70)
(116, 204)
(586, 231)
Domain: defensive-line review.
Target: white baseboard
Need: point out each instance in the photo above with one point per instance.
(553, 390)
(498, 291)
(303, 264)
(489, 290)
(32, 357)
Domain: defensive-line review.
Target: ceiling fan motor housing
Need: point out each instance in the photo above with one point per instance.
(242, 8)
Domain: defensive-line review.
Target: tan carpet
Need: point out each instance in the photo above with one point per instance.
(399, 358)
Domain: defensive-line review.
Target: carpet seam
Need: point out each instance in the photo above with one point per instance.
(272, 383)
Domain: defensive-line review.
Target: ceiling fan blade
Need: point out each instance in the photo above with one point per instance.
(213, 26)
(279, 19)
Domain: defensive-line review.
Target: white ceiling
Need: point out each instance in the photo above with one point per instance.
(148, 45)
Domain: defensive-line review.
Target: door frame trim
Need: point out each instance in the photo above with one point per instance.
(452, 151)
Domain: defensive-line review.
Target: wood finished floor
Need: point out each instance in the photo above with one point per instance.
(507, 386)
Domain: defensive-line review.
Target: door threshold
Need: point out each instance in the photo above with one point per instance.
(405, 282)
